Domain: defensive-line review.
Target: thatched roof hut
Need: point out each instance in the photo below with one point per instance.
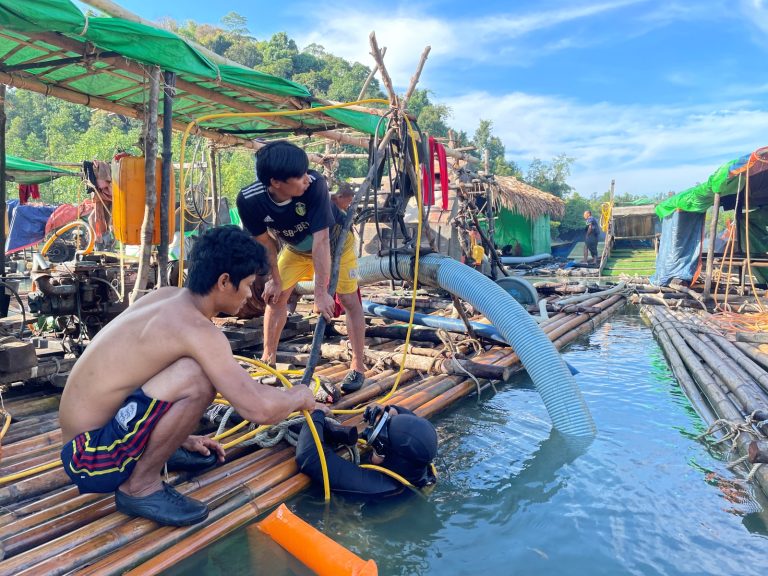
(527, 201)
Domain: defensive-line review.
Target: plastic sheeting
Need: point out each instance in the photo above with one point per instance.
(27, 225)
(679, 247)
(512, 229)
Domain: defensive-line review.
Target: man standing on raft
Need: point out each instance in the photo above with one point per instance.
(293, 201)
(138, 392)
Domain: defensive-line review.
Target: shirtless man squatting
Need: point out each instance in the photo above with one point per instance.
(139, 390)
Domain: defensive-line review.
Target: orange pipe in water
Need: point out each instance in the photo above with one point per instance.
(317, 551)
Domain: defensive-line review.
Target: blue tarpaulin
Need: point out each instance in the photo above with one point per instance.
(27, 225)
(679, 247)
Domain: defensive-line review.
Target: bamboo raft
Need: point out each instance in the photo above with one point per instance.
(48, 528)
(721, 368)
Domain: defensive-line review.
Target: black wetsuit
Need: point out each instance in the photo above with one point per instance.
(344, 476)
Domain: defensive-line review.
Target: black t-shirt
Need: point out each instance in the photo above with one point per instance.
(295, 220)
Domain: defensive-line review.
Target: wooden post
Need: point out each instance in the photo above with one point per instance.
(416, 75)
(150, 197)
(166, 202)
(385, 78)
(489, 213)
(486, 161)
(370, 76)
(214, 185)
(711, 248)
(3, 188)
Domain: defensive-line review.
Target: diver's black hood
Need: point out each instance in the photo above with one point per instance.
(412, 447)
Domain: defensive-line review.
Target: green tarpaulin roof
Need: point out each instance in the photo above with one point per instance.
(699, 198)
(51, 43)
(24, 171)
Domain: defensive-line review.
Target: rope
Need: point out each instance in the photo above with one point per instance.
(734, 429)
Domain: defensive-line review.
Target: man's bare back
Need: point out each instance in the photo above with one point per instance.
(159, 329)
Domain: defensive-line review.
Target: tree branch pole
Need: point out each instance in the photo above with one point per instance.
(150, 189)
(165, 187)
(214, 189)
(317, 340)
(370, 76)
(416, 76)
(711, 247)
(3, 187)
(385, 77)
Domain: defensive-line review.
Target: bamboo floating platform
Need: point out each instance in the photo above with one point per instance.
(724, 379)
(48, 528)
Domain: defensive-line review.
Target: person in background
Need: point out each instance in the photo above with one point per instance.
(293, 201)
(344, 196)
(591, 232)
(401, 442)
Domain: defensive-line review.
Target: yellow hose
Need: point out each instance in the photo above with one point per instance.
(30, 472)
(67, 228)
(310, 423)
(390, 473)
(605, 215)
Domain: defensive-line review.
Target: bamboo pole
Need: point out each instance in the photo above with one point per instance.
(155, 564)
(711, 247)
(686, 383)
(166, 202)
(3, 191)
(755, 354)
(723, 406)
(431, 364)
(745, 390)
(24, 446)
(385, 78)
(28, 406)
(108, 532)
(150, 188)
(416, 75)
(214, 189)
(371, 74)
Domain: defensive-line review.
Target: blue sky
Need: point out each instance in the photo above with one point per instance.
(653, 93)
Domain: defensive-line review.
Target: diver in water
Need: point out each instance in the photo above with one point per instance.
(401, 442)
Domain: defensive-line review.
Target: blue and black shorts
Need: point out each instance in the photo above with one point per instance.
(101, 460)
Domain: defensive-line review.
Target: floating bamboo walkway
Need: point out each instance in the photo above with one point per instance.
(726, 379)
(48, 528)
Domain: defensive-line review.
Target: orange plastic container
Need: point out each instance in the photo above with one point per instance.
(317, 551)
(128, 193)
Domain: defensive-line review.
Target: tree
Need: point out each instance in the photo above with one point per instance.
(498, 164)
(572, 224)
(551, 176)
(235, 24)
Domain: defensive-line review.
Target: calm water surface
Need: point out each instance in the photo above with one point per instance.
(644, 498)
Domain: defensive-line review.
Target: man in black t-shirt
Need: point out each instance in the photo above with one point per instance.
(293, 201)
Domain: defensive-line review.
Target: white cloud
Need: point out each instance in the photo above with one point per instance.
(647, 149)
(343, 30)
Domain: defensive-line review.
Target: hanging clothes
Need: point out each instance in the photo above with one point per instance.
(99, 179)
(436, 150)
(28, 192)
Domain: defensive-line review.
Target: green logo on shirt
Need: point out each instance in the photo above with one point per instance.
(301, 208)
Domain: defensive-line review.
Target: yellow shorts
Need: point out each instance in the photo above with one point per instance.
(296, 266)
